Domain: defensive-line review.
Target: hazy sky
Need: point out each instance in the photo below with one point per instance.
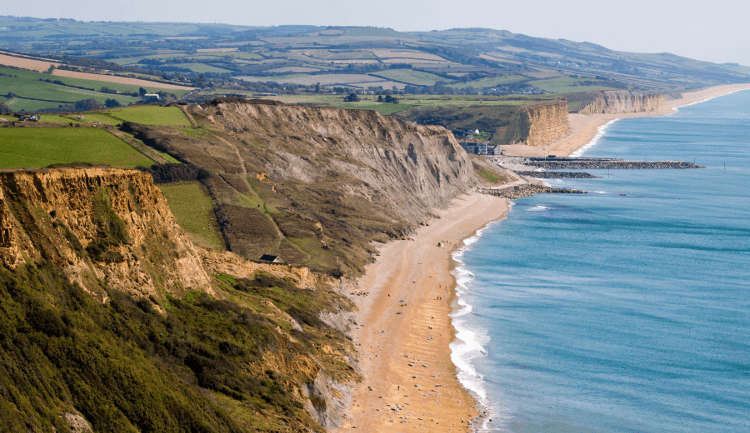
(716, 31)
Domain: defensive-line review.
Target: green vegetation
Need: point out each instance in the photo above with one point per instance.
(40, 147)
(410, 76)
(201, 68)
(192, 206)
(127, 368)
(150, 115)
(492, 177)
(491, 81)
(30, 94)
(569, 85)
(111, 230)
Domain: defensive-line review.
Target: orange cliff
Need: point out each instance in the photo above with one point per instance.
(57, 215)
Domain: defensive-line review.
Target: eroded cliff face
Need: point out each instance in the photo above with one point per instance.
(548, 122)
(624, 101)
(422, 167)
(317, 186)
(111, 232)
(98, 224)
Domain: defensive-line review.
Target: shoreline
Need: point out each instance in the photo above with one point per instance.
(406, 354)
(585, 128)
(410, 381)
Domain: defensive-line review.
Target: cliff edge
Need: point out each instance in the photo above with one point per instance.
(97, 224)
(623, 101)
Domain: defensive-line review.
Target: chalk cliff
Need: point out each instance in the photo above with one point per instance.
(624, 101)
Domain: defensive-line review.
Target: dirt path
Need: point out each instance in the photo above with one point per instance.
(184, 109)
(405, 358)
(279, 233)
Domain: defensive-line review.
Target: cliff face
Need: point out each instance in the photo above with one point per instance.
(624, 101)
(105, 224)
(316, 186)
(423, 165)
(247, 334)
(547, 121)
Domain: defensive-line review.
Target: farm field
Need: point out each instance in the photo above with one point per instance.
(568, 85)
(202, 68)
(149, 115)
(191, 205)
(40, 147)
(26, 84)
(115, 79)
(405, 101)
(19, 62)
(410, 76)
(490, 82)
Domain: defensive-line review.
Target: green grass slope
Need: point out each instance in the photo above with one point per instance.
(40, 147)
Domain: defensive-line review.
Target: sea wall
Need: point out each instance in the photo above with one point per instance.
(623, 101)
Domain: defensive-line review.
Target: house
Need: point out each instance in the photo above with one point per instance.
(270, 259)
(151, 97)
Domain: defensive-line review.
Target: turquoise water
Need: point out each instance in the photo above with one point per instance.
(610, 313)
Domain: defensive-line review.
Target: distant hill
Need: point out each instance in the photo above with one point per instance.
(473, 60)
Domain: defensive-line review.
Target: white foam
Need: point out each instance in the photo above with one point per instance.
(470, 340)
(599, 134)
(539, 208)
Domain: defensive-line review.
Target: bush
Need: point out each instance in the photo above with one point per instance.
(166, 173)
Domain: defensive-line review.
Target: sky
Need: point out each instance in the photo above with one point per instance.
(715, 31)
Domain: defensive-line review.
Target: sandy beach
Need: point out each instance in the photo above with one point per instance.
(404, 346)
(404, 329)
(585, 127)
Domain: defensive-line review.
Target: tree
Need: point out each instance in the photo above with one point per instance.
(352, 98)
(109, 103)
(142, 92)
(88, 105)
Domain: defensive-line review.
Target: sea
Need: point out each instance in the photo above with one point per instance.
(626, 309)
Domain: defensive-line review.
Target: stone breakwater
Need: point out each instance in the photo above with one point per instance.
(557, 174)
(526, 191)
(617, 164)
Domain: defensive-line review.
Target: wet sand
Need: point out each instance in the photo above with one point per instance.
(405, 358)
(585, 127)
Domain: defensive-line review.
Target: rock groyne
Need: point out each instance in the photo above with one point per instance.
(557, 174)
(595, 164)
(517, 192)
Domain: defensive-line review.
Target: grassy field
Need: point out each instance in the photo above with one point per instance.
(202, 68)
(418, 78)
(40, 147)
(26, 85)
(191, 205)
(150, 115)
(490, 82)
(406, 101)
(144, 114)
(570, 85)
